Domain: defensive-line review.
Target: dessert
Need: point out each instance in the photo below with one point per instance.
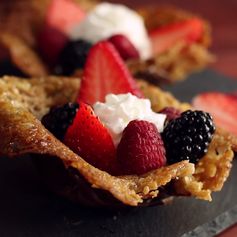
(156, 43)
(80, 158)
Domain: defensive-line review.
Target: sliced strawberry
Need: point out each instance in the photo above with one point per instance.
(88, 137)
(104, 73)
(223, 108)
(125, 48)
(165, 37)
(64, 14)
(50, 43)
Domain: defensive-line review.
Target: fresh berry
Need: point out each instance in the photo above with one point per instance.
(188, 137)
(50, 42)
(124, 46)
(165, 37)
(63, 15)
(60, 118)
(104, 73)
(141, 148)
(88, 137)
(73, 56)
(223, 108)
(171, 113)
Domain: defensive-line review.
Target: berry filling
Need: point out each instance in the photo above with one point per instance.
(123, 135)
(142, 147)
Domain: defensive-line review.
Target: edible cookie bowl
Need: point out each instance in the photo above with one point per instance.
(166, 44)
(24, 134)
(103, 138)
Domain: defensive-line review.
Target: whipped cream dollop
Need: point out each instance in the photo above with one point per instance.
(108, 19)
(119, 110)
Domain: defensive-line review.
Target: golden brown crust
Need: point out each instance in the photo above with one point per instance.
(175, 63)
(39, 94)
(22, 55)
(24, 134)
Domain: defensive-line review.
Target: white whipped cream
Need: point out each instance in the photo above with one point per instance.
(119, 110)
(108, 19)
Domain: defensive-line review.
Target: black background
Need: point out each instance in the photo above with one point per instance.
(28, 209)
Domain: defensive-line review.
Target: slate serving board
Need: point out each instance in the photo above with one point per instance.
(28, 209)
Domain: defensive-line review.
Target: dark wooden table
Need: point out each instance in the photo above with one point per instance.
(223, 17)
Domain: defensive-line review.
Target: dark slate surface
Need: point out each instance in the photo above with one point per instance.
(28, 209)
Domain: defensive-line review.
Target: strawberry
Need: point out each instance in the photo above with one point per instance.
(104, 73)
(64, 14)
(125, 48)
(54, 33)
(141, 148)
(165, 37)
(88, 137)
(223, 108)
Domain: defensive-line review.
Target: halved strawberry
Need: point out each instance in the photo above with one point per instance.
(165, 37)
(104, 73)
(223, 108)
(88, 137)
(61, 16)
(64, 14)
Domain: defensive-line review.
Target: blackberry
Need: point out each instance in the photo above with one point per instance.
(60, 118)
(188, 137)
(72, 57)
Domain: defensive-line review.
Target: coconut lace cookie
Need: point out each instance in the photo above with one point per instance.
(120, 150)
(158, 43)
(24, 134)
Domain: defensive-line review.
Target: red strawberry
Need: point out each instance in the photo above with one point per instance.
(88, 137)
(125, 48)
(64, 14)
(61, 16)
(104, 73)
(222, 107)
(141, 148)
(165, 37)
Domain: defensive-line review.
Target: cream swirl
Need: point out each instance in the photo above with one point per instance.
(108, 19)
(119, 110)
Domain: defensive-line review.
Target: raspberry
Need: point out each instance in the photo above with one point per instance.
(124, 47)
(73, 57)
(141, 148)
(188, 137)
(171, 113)
(60, 118)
